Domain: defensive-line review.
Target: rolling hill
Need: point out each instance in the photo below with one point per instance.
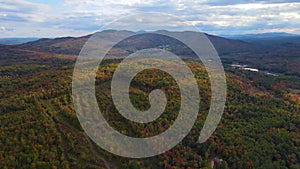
(16, 41)
(72, 46)
(39, 129)
(264, 54)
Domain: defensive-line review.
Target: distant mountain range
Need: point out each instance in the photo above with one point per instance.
(276, 53)
(16, 41)
(138, 40)
(261, 36)
(282, 36)
(238, 46)
(268, 38)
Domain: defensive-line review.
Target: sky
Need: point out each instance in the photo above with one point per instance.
(58, 18)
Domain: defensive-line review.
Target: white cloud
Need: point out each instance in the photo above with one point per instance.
(3, 15)
(2, 29)
(254, 16)
(21, 10)
(212, 16)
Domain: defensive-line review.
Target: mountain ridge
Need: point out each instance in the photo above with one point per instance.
(73, 45)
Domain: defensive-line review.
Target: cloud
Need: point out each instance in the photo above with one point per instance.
(244, 18)
(215, 14)
(5, 29)
(2, 29)
(212, 16)
(21, 10)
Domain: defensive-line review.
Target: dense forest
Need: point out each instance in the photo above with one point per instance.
(260, 127)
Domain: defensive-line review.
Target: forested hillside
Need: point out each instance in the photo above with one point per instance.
(260, 127)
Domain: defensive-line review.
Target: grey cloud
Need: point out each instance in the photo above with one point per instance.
(208, 15)
(20, 10)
